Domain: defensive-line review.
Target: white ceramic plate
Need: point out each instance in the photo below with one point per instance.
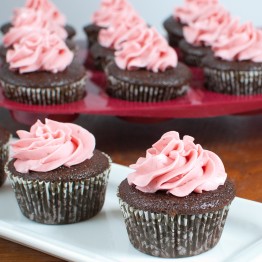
(104, 237)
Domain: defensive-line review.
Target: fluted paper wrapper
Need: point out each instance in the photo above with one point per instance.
(233, 82)
(138, 93)
(45, 95)
(4, 154)
(60, 202)
(162, 235)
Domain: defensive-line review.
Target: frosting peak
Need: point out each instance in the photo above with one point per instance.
(208, 26)
(39, 51)
(145, 48)
(192, 9)
(49, 9)
(109, 11)
(113, 36)
(177, 166)
(239, 42)
(28, 20)
(51, 145)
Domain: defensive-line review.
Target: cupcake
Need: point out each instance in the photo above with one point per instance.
(145, 69)
(4, 152)
(235, 66)
(111, 38)
(40, 70)
(57, 174)
(176, 201)
(202, 33)
(51, 13)
(182, 16)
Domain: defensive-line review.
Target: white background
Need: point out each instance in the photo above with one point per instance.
(154, 11)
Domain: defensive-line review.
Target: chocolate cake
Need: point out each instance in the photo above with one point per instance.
(232, 77)
(44, 88)
(101, 56)
(167, 226)
(193, 55)
(4, 153)
(91, 32)
(64, 195)
(146, 86)
(69, 29)
(174, 30)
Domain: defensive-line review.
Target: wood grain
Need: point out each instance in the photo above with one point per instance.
(236, 139)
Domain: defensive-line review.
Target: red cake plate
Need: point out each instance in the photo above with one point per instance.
(197, 103)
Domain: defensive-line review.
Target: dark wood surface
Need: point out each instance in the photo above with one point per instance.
(236, 139)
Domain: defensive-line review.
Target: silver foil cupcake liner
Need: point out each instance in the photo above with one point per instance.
(4, 155)
(162, 235)
(56, 203)
(138, 93)
(45, 95)
(233, 82)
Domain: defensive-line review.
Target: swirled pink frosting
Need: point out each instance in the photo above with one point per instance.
(110, 10)
(177, 166)
(39, 51)
(145, 48)
(207, 27)
(51, 145)
(192, 9)
(239, 43)
(113, 36)
(27, 20)
(49, 9)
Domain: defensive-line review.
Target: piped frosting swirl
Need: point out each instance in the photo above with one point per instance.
(178, 167)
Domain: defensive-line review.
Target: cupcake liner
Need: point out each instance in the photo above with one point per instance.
(45, 95)
(162, 235)
(60, 202)
(233, 82)
(4, 155)
(135, 92)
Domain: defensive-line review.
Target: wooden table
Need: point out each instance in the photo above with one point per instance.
(236, 139)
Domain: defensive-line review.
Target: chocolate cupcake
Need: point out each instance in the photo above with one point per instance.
(57, 175)
(182, 16)
(176, 202)
(47, 75)
(146, 69)
(4, 153)
(202, 33)
(52, 17)
(235, 67)
(104, 17)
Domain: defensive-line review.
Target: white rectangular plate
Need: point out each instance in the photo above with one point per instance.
(104, 237)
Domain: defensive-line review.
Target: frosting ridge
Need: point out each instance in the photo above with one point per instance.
(239, 43)
(39, 51)
(177, 166)
(51, 145)
(192, 9)
(145, 48)
(207, 27)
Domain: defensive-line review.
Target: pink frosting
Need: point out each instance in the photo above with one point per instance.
(239, 43)
(192, 9)
(27, 20)
(179, 167)
(110, 10)
(39, 51)
(51, 145)
(119, 30)
(208, 26)
(49, 9)
(145, 48)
